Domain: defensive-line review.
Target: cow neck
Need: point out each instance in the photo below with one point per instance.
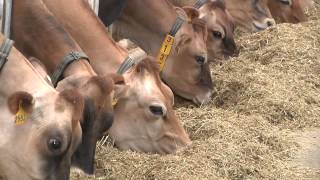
(106, 56)
(149, 27)
(51, 43)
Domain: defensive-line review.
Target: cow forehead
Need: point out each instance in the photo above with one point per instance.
(146, 84)
(45, 113)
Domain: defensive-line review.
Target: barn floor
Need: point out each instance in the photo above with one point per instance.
(264, 122)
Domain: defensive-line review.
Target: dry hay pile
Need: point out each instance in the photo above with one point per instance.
(270, 91)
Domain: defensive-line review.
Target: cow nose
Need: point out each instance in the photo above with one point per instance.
(270, 22)
(157, 110)
(202, 99)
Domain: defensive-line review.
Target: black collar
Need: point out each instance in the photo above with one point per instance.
(67, 60)
(5, 51)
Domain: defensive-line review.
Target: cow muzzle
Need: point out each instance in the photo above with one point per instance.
(267, 22)
(203, 98)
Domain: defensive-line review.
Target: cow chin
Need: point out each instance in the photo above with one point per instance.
(203, 98)
(200, 94)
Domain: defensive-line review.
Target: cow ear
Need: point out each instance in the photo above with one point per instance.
(183, 40)
(117, 78)
(191, 12)
(38, 65)
(200, 26)
(21, 101)
(75, 99)
(119, 87)
(41, 69)
(120, 91)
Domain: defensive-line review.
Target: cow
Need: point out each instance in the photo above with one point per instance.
(291, 11)
(251, 15)
(38, 34)
(186, 70)
(220, 43)
(144, 117)
(40, 127)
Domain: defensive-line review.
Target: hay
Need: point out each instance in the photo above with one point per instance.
(270, 91)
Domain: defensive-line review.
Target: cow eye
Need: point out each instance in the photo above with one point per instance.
(55, 145)
(286, 2)
(156, 110)
(217, 34)
(200, 60)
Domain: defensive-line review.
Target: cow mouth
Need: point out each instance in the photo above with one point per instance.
(258, 26)
(154, 148)
(166, 144)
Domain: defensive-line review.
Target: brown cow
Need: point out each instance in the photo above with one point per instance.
(186, 71)
(252, 15)
(220, 43)
(39, 34)
(144, 117)
(291, 11)
(40, 128)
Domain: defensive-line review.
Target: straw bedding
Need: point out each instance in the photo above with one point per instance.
(265, 98)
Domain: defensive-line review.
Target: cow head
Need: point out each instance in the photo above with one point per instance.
(97, 116)
(220, 27)
(98, 111)
(39, 134)
(287, 10)
(144, 117)
(253, 15)
(187, 70)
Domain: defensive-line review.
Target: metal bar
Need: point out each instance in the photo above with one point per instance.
(6, 19)
(96, 7)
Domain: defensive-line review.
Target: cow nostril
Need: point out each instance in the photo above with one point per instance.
(156, 110)
(200, 59)
(270, 23)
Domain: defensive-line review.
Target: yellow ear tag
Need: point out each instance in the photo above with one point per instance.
(165, 51)
(21, 115)
(114, 102)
